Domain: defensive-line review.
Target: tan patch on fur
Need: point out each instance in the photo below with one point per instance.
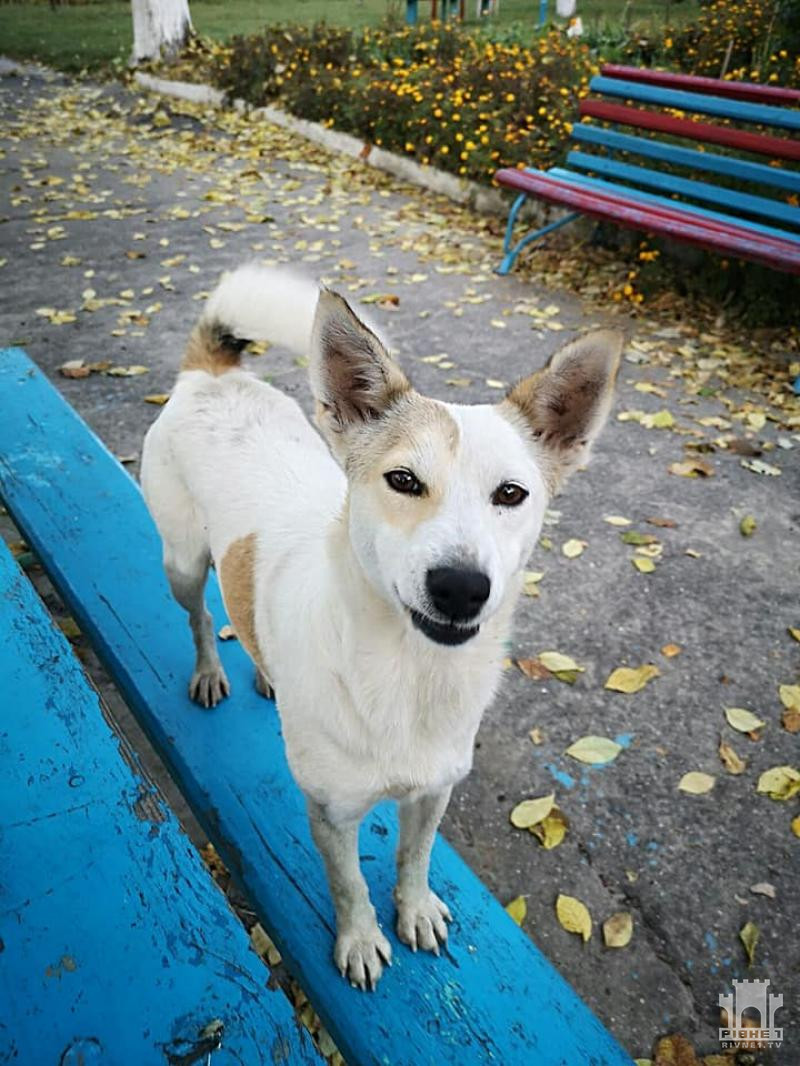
(237, 578)
(419, 434)
(205, 351)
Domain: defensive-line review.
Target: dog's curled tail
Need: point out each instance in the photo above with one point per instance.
(252, 303)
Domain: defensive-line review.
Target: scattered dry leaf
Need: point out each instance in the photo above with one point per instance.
(159, 398)
(747, 526)
(517, 909)
(749, 936)
(730, 760)
(551, 830)
(696, 783)
(530, 582)
(675, 1050)
(618, 930)
(742, 720)
(616, 520)
(531, 811)
(594, 750)
(631, 679)
(534, 669)
(763, 888)
(643, 565)
(692, 468)
(779, 782)
(573, 548)
(669, 651)
(574, 916)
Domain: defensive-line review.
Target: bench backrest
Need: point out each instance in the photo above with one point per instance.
(492, 997)
(647, 149)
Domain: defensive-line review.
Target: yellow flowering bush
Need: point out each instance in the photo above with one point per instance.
(763, 37)
(435, 92)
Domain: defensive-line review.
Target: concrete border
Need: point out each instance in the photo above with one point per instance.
(482, 199)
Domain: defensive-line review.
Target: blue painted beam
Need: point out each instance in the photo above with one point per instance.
(736, 202)
(116, 946)
(491, 998)
(634, 195)
(727, 165)
(763, 114)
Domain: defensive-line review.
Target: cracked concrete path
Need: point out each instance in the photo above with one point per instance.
(119, 212)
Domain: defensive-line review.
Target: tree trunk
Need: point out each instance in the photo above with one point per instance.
(160, 27)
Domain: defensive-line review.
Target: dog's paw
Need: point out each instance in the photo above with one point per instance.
(360, 953)
(264, 685)
(422, 923)
(209, 686)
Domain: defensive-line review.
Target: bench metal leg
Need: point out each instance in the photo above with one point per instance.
(510, 252)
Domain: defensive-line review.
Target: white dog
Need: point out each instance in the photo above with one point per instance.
(371, 577)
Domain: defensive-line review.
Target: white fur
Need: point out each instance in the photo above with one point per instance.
(370, 707)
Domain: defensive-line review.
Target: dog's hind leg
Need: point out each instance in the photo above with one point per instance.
(361, 948)
(187, 576)
(421, 915)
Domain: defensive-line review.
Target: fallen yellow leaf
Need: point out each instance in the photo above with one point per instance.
(790, 695)
(530, 582)
(749, 936)
(618, 930)
(573, 548)
(779, 782)
(744, 721)
(551, 830)
(730, 760)
(556, 663)
(616, 520)
(644, 566)
(517, 909)
(574, 916)
(594, 750)
(747, 526)
(696, 783)
(669, 651)
(159, 398)
(531, 811)
(796, 825)
(631, 679)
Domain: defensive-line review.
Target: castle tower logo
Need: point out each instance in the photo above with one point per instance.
(748, 999)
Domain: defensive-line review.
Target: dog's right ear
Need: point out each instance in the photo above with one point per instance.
(353, 377)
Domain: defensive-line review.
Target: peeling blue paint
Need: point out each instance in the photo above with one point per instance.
(632, 840)
(561, 776)
(623, 739)
(711, 941)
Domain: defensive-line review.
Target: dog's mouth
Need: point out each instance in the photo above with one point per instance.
(447, 633)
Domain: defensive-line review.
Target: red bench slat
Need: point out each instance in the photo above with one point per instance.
(737, 90)
(762, 144)
(709, 234)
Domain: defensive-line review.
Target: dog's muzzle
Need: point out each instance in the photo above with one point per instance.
(446, 633)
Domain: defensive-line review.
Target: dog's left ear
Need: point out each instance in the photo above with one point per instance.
(353, 377)
(566, 404)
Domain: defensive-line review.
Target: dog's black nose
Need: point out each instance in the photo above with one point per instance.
(457, 594)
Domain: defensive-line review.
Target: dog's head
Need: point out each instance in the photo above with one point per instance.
(446, 501)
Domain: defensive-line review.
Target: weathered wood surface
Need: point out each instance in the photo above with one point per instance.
(115, 945)
(491, 998)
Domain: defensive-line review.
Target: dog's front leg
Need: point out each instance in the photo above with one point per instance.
(361, 948)
(421, 915)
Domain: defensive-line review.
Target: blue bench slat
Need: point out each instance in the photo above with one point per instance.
(763, 114)
(727, 165)
(699, 190)
(491, 998)
(116, 943)
(639, 194)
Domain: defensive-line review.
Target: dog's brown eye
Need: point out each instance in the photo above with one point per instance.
(509, 494)
(403, 481)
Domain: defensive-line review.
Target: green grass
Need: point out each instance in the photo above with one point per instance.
(91, 35)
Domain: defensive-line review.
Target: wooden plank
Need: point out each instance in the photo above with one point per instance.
(726, 136)
(712, 219)
(737, 90)
(116, 945)
(638, 214)
(491, 998)
(762, 114)
(731, 199)
(726, 165)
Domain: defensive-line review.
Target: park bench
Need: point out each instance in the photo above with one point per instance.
(491, 998)
(754, 212)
